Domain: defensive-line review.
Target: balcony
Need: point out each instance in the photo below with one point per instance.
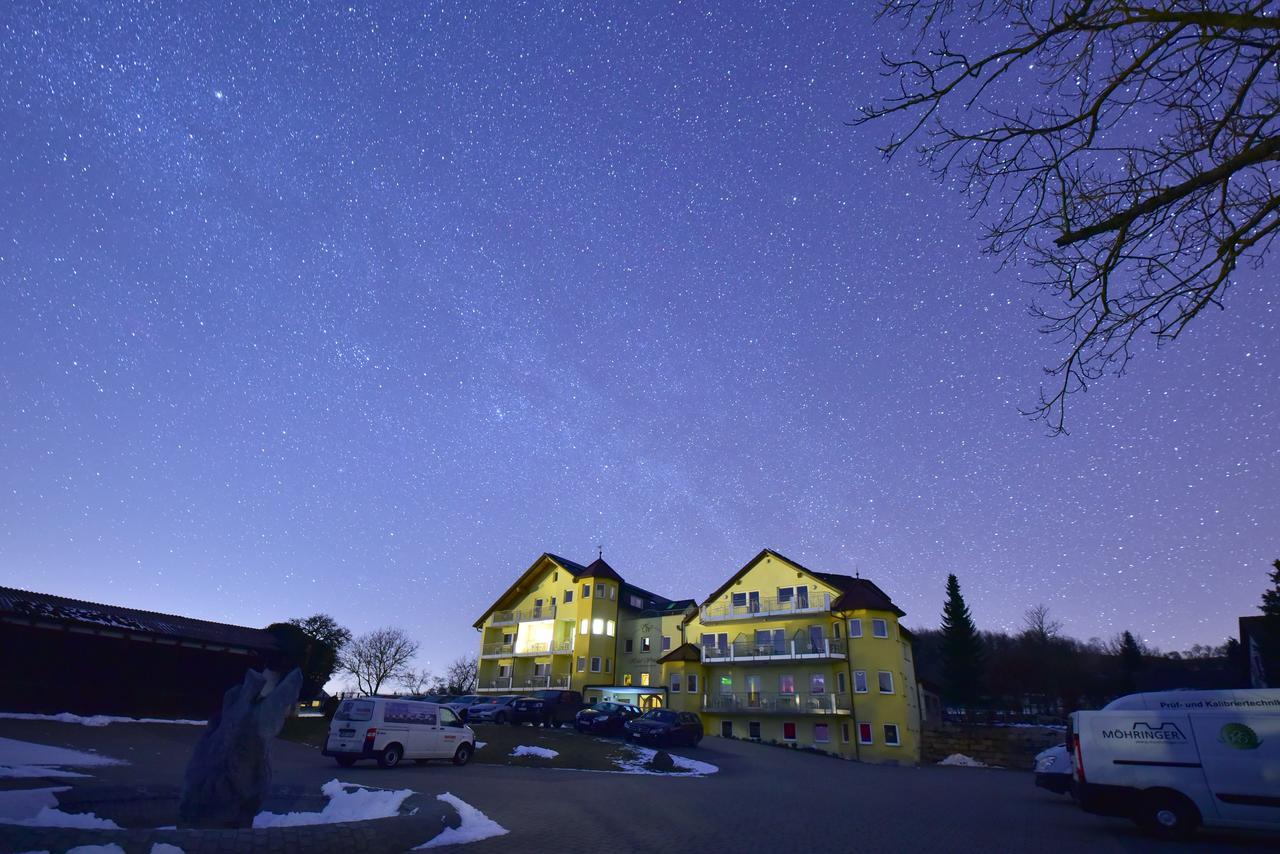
(508, 650)
(509, 685)
(795, 650)
(510, 618)
(777, 704)
(768, 607)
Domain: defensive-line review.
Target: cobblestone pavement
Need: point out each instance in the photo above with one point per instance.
(763, 799)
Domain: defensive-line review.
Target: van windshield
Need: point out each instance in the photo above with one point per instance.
(355, 710)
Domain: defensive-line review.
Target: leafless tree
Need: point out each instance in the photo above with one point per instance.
(377, 657)
(1037, 625)
(460, 675)
(1127, 149)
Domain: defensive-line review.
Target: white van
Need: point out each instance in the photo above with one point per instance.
(389, 730)
(1174, 760)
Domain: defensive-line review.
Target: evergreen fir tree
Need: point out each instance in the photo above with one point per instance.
(1271, 598)
(1130, 661)
(961, 649)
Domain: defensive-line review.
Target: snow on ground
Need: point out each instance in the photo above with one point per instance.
(644, 755)
(480, 744)
(97, 849)
(360, 804)
(541, 752)
(94, 720)
(39, 808)
(28, 759)
(964, 761)
(36, 771)
(475, 825)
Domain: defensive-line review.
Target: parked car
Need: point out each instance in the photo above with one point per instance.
(492, 709)
(390, 730)
(1053, 769)
(548, 707)
(664, 727)
(606, 717)
(461, 704)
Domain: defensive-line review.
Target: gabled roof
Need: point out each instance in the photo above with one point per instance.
(855, 593)
(576, 570)
(23, 606)
(684, 652)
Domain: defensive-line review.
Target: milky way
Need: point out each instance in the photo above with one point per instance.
(360, 308)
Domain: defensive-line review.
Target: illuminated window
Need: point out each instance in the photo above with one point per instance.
(891, 735)
(821, 733)
(692, 687)
(860, 681)
(586, 626)
(880, 628)
(644, 678)
(608, 628)
(595, 664)
(818, 683)
(644, 644)
(786, 684)
(626, 679)
(789, 731)
(864, 733)
(597, 626)
(675, 683)
(855, 628)
(582, 663)
(886, 682)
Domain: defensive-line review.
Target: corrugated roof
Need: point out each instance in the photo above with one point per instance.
(26, 605)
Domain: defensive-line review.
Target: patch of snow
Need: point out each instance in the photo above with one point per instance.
(14, 752)
(644, 755)
(39, 808)
(359, 804)
(94, 720)
(474, 827)
(963, 761)
(96, 849)
(36, 771)
(480, 744)
(541, 752)
(166, 848)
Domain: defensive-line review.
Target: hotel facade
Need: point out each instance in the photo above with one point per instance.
(778, 653)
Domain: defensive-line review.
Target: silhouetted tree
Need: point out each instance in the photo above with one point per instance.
(460, 675)
(961, 649)
(1270, 606)
(1126, 151)
(378, 657)
(314, 642)
(1131, 660)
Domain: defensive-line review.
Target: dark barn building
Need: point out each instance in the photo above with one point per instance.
(64, 655)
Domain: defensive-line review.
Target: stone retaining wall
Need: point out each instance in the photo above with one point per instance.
(1006, 746)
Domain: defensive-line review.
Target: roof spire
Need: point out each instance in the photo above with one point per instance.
(600, 551)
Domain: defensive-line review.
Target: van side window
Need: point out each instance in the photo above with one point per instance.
(447, 717)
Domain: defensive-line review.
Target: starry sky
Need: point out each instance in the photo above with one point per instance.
(359, 308)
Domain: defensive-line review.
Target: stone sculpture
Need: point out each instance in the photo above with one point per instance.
(229, 773)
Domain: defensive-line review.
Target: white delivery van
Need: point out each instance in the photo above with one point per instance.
(389, 730)
(1174, 760)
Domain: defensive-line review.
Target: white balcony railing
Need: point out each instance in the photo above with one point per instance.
(798, 648)
(780, 704)
(506, 618)
(500, 683)
(769, 606)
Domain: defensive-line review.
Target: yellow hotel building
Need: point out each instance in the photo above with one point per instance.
(778, 653)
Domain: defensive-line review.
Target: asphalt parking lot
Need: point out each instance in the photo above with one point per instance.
(762, 799)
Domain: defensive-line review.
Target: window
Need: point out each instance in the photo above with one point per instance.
(860, 681)
(626, 679)
(666, 643)
(675, 682)
(508, 638)
(597, 626)
(711, 640)
(835, 630)
(586, 626)
(608, 628)
(608, 665)
(568, 596)
(600, 594)
(786, 684)
(627, 645)
(635, 602)
(753, 730)
(644, 679)
(753, 601)
(821, 733)
(784, 594)
(855, 628)
(840, 683)
(692, 687)
(818, 683)
(864, 733)
(886, 682)
(880, 628)
(644, 644)
(613, 593)
(537, 607)
(891, 735)
(802, 596)
(586, 590)
(541, 669)
(788, 731)
(726, 729)
(504, 670)
(726, 684)
(739, 600)
(582, 663)
(844, 733)
(555, 576)
(595, 664)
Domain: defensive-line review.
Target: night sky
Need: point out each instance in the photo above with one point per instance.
(360, 308)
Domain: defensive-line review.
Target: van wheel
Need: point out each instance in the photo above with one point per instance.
(463, 756)
(1167, 814)
(390, 756)
(346, 761)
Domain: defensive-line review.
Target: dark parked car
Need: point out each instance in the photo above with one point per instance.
(549, 708)
(663, 727)
(606, 717)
